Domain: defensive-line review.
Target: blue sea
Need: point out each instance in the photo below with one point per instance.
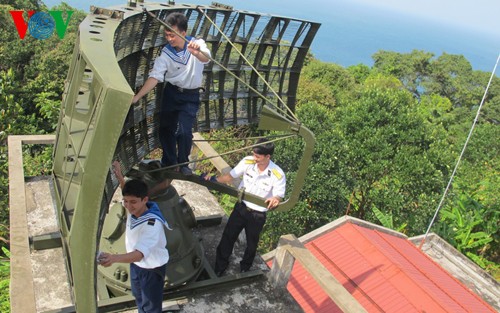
(351, 32)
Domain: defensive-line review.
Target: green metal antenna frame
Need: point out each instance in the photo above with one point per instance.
(98, 124)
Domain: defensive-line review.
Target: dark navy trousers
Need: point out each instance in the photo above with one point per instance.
(241, 218)
(177, 117)
(147, 287)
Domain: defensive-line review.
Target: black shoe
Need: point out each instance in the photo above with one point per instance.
(186, 171)
(219, 273)
(244, 271)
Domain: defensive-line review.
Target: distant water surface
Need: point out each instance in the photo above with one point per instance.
(350, 33)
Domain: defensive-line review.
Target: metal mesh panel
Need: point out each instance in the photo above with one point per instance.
(275, 46)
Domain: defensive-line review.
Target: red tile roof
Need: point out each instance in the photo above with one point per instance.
(384, 272)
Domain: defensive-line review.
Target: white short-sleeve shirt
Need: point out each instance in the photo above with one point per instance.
(180, 68)
(147, 235)
(268, 183)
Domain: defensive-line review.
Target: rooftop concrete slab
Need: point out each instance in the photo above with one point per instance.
(52, 289)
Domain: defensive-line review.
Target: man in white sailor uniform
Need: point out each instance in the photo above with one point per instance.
(145, 243)
(261, 177)
(180, 65)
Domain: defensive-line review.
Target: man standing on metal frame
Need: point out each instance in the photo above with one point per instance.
(180, 65)
(261, 177)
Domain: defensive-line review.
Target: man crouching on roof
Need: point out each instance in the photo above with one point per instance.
(261, 177)
(145, 243)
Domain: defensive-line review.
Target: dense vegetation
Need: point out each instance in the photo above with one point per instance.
(395, 132)
(388, 138)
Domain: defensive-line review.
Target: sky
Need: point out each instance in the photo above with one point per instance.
(481, 15)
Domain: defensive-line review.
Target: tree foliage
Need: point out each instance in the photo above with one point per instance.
(5, 281)
(39, 66)
(473, 228)
(338, 81)
(387, 145)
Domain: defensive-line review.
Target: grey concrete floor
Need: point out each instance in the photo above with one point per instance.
(50, 276)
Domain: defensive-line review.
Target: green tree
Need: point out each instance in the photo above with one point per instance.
(360, 72)
(4, 281)
(410, 68)
(449, 77)
(339, 81)
(387, 220)
(388, 151)
(39, 66)
(473, 229)
(311, 90)
(321, 199)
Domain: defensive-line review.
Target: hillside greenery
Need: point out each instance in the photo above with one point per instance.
(388, 138)
(395, 132)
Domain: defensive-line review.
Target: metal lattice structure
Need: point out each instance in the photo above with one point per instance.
(114, 52)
